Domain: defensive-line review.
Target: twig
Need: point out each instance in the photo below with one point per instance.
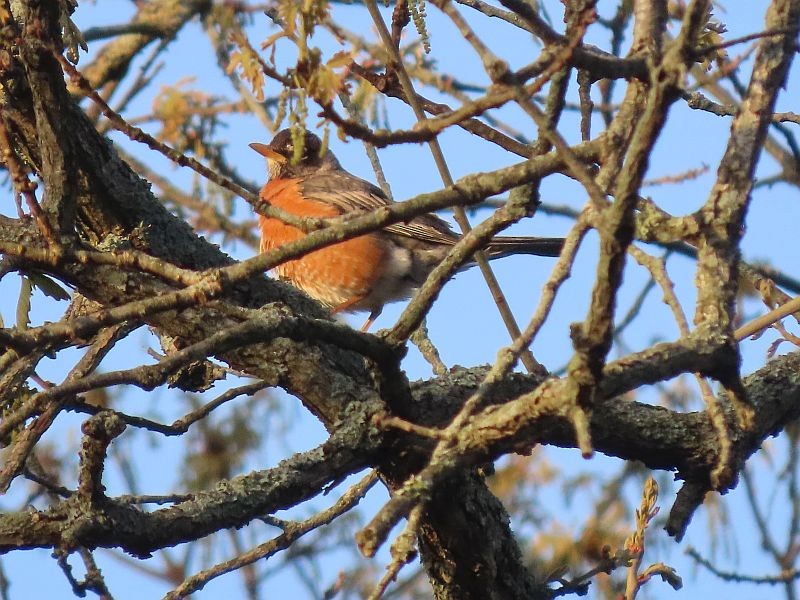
(425, 346)
(609, 562)
(98, 432)
(292, 531)
(386, 421)
(764, 321)
(137, 135)
(403, 551)
(785, 576)
(743, 39)
(182, 425)
(369, 148)
(24, 186)
(460, 216)
(658, 271)
(25, 441)
(252, 331)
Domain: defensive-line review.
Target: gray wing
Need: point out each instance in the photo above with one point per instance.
(351, 194)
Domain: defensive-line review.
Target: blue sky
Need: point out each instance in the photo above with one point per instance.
(464, 324)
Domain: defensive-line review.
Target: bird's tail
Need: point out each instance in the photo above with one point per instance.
(508, 245)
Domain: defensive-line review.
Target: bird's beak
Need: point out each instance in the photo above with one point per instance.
(268, 152)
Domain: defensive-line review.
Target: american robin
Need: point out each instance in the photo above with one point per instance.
(365, 272)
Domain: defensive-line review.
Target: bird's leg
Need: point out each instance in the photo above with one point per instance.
(344, 306)
(371, 319)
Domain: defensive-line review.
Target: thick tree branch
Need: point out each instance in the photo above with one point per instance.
(112, 523)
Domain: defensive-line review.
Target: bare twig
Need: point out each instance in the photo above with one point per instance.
(292, 531)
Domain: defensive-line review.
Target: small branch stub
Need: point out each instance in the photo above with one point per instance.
(98, 432)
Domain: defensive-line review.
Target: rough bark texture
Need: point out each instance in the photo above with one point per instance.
(95, 201)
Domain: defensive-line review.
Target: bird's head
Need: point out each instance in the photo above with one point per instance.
(284, 160)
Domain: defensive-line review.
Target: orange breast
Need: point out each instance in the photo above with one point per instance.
(340, 274)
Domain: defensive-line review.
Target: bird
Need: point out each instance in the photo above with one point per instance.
(366, 272)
